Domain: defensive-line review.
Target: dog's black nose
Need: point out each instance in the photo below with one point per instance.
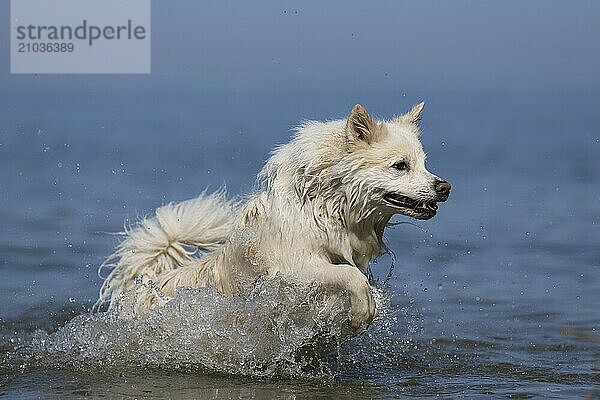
(442, 188)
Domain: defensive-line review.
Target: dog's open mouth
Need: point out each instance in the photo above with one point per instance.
(420, 209)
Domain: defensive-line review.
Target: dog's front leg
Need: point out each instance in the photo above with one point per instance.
(350, 279)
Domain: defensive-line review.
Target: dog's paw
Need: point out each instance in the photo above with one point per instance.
(362, 302)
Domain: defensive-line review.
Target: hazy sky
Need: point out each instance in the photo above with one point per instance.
(357, 44)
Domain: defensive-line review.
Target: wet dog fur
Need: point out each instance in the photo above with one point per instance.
(319, 215)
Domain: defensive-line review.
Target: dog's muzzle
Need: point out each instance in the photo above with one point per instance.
(416, 208)
(420, 209)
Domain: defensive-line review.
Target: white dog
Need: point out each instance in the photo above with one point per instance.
(324, 201)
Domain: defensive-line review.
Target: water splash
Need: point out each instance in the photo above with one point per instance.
(278, 330)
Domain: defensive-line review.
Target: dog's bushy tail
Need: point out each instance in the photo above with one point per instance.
(166, 241)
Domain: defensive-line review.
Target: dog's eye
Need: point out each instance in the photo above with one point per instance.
(401, 166)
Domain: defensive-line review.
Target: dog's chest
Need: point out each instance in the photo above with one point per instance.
(365, 246)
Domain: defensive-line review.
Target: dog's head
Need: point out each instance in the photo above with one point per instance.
(386, 165)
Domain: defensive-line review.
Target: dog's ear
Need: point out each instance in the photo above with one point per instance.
(413, 116)
(360, 125)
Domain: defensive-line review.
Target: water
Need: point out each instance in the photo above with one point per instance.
(497, 295)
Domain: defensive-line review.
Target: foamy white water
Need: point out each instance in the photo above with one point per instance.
(279, 330)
